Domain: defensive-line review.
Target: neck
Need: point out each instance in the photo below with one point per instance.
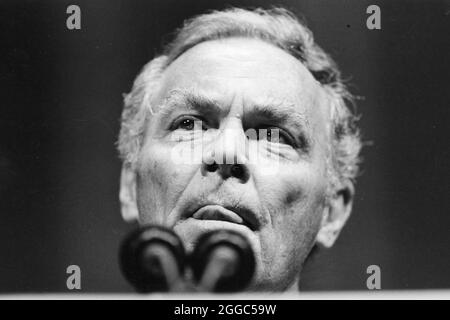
(294, 286)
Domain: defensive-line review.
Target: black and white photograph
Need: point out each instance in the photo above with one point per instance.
(249, 148)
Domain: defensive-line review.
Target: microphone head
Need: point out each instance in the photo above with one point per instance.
(144, 254)
(243, 265)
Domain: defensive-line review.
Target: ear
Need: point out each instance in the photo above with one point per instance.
(335, 214)
(127, 195)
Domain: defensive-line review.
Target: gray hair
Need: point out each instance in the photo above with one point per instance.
(276, 26)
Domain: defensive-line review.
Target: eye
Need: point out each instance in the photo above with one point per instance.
(275, 135)
(188, 123)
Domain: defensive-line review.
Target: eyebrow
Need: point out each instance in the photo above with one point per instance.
(279, 113)
(179, 99)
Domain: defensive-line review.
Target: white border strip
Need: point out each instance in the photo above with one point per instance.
(338, 295)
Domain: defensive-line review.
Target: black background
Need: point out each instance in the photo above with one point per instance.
(61, 99)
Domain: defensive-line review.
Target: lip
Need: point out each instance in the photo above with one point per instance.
(232, 214)
(216, 212)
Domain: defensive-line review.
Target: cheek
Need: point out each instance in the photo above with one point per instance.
(153, 168)
(295, 197)
(304, 214)
(295, 202)
(160, 182)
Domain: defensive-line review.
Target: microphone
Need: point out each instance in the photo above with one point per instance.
(152, 259)
(223, 261)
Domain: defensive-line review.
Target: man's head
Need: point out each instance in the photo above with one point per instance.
(224, 74)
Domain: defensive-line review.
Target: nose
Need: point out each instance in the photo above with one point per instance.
(238, 171)
(227, 154)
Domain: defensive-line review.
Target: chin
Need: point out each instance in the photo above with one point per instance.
(272, 281)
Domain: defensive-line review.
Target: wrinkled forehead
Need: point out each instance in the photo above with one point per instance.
(246, 71)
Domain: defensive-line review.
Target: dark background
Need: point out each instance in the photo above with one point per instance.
(61, 98)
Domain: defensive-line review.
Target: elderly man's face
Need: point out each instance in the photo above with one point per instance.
(232, 86)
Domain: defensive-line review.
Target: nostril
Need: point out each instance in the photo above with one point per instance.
(237, 170)
(212, 167)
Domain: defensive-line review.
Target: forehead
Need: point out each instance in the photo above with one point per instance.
(245, 71)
